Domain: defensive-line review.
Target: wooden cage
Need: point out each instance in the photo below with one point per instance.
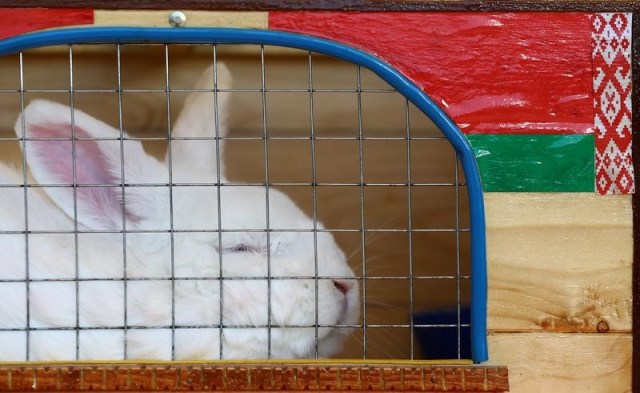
(545, 92)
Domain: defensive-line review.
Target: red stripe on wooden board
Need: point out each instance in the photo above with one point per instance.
(15, 21)
(492, 72)
(612, 102)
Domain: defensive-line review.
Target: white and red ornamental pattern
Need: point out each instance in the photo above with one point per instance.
(611, 37)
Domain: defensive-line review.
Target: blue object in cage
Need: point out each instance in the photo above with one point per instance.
(435, 330)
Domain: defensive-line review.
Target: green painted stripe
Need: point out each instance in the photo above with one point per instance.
(535, 163)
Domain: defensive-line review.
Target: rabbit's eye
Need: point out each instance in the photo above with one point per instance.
(240, 247)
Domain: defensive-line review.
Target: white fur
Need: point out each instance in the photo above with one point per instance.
(100, 303)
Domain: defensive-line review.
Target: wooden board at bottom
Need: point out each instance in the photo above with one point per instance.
(564, 362)
(252, 377)
(559, 262)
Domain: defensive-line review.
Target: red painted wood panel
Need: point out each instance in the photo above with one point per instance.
(15, 21)
(493, 73)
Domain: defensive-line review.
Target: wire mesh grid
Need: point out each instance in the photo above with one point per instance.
(373, 176)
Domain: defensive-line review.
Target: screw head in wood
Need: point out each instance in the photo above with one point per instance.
(177, 19)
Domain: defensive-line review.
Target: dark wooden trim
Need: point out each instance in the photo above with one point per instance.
(243, 377)
(336, 5)
(635, 94)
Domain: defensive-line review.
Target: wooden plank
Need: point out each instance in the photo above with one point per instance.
(535, 163)
(635, 120)
(244, 19)
(483, 69)
(341, 5)
(24, 20)
(505, 210)
(559, 262)
(564, 363)
(256, 376)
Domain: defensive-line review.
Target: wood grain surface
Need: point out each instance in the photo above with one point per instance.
(635, 102)
(564, 363)
(243, 19)
(252, 377)
(338, 5)
(559, 262)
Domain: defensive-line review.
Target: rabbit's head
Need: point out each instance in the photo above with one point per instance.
(285, 292)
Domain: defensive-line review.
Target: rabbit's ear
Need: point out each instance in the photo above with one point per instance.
(92, 161)
(203, 118)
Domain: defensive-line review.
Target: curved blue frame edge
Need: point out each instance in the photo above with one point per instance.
(91, 35)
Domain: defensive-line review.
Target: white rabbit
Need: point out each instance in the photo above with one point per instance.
(161, 277)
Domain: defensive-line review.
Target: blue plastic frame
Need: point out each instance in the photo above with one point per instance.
(383, 70)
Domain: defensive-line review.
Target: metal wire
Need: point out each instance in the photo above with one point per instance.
(23, 143)
(314, 211)
(263, 91)
(458, 273)
(171, 201)
(124, 200)
(75, 200)
(363, 242)
(410, 229)
(218, 196)
(368, 276)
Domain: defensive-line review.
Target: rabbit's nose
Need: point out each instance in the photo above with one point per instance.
(343, 286)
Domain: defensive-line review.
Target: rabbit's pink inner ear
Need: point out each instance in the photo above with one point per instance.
(92, 168)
